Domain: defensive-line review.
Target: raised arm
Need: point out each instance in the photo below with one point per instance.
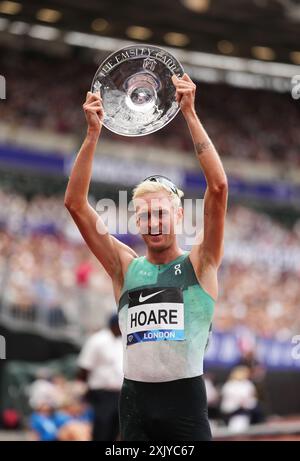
(112, 254)
(208, 253)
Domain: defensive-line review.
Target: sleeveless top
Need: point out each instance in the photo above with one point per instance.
(165, 318)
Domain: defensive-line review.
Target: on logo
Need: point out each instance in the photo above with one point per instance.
(177, 269)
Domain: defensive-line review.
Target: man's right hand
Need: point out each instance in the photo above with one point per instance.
(93, 111)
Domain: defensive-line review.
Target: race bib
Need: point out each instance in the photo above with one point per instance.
(155, 314)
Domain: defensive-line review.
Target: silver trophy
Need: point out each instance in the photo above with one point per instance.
(136, 89)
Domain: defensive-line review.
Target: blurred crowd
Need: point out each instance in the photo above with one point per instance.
(259, 278)
(49, 277)
(81, 402)
(250, 124)
(74, 398)
(59, 409)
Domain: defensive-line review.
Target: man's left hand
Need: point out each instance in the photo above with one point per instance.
(185, 93)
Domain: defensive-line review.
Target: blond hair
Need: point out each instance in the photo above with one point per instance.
(152, 186)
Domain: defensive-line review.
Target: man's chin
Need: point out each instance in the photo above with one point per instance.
(155, 241)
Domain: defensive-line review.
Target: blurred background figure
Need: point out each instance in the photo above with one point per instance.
(238, 399)
(74, 417)
(42, 422)
(60, 412)
(100, 365)
(42, 390)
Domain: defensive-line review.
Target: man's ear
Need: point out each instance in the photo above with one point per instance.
(179, 213)
(178, 220)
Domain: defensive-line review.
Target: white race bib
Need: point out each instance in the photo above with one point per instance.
(155, 314)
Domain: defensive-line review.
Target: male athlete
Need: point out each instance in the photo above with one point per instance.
(166, 298)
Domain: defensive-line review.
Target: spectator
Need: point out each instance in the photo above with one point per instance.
(74, 418)
(42, 391)
(100, 364)
(42, 422)
(60, 412)
(238, 398)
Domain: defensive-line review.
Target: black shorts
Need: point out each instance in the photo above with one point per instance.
(173, 410)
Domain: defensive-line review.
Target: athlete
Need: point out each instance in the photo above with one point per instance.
(165, 299)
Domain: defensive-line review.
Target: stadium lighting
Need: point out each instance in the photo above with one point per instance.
(263, 52)
(198, 6)
(138, 32)
(19, 28)
(191, 58)
(295, 57)
(99, 25)
(225, 47)
(8, 7)
(248, 73)
(44, 32)
(176, 39)
(48, 15)
(92, 41)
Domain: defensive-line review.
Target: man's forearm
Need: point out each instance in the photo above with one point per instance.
(207, 155)
(80, 177)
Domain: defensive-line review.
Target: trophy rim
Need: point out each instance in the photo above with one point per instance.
(139, 45)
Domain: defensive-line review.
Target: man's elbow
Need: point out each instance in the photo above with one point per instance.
(72, 205)
(69, 204)
(220, 187)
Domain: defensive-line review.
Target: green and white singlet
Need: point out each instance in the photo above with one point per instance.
(165, 318)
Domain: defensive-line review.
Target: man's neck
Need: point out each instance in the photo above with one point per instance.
(165, 256)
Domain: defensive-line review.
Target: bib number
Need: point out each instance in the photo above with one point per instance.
(155, 314)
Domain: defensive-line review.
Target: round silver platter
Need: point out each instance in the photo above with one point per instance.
(136, 89)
